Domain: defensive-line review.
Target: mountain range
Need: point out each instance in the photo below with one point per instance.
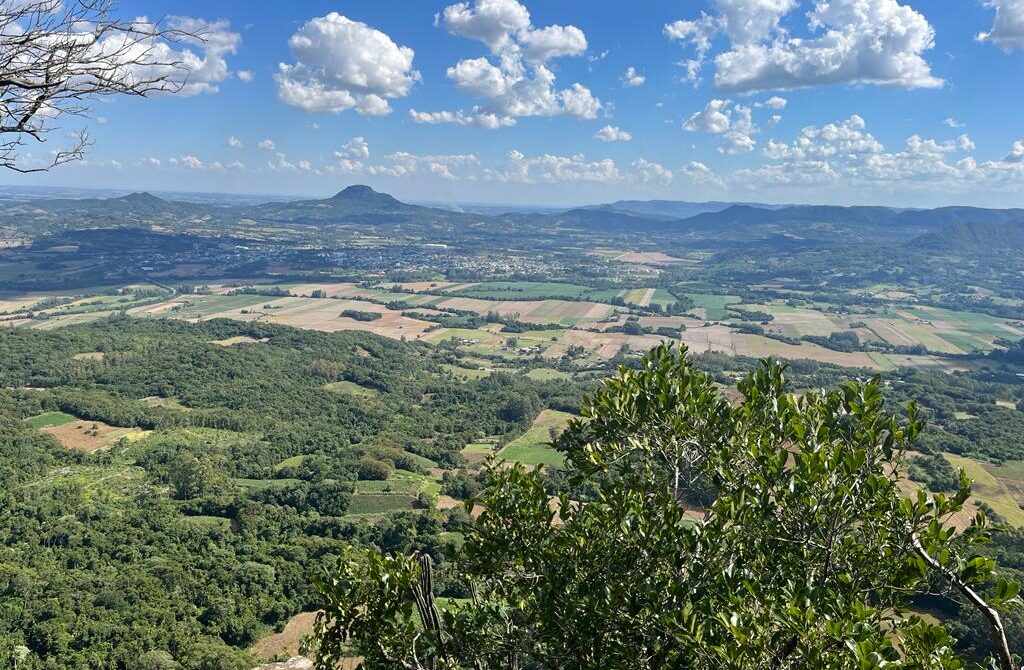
(704, 224)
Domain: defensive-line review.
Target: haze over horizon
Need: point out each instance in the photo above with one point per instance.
(887, 102)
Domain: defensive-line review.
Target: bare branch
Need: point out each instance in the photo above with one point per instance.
(990, 613)
(58, 56)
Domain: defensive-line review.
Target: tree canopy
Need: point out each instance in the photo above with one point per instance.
(772, 533)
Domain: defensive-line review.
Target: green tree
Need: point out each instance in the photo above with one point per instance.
(804, 553)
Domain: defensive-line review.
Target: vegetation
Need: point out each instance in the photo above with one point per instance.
(797, 498)
(198, 539)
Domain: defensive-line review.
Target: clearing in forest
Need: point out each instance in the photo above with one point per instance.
(532, 447)
(90, 436)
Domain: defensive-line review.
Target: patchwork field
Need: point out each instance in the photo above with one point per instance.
(575, 308)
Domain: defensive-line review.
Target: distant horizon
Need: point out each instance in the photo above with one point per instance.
(227, 198)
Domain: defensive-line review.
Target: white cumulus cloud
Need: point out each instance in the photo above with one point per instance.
(518, 81)
(341, 64)
(1007, 31)
(879, 42)
(632, 78)
(612, 134)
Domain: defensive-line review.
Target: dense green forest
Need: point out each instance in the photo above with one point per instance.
(193, 540)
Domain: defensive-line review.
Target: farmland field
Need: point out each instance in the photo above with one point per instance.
(532, 447)
(992, 487)
(51, 419)
(714, 307)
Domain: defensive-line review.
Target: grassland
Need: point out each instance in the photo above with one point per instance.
(714, 307)
(1000, 487)
(532, 448)
(50, 419)
(350, 388)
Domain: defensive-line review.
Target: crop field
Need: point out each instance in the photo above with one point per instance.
(372, 504)
(714, 307)
(532, 447)
(207, 306)
(638, 296)
(531, 290)
(641, 257)
(293, 462)
(561, 312)
(310, 313)
(798, 322)
(607, 345)
(715, 338)
(1002, 488)
(763, 347)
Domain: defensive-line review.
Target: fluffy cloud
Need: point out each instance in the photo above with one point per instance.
(357, 147)
(195, 64)
(953, 123)
(774, 102)
(844, 155)
(734, 122)
(190, 162)
(235, 143)
(543, 44)
(699, 174)
(1016, 154)
(548, 168)
(246, 76)
(1008, 28)
(649, 172)
(492, 22)
(612, 134)
(518, 81)
(266, 145)
(851, 42)
(712, 119)
(475, 119)
(735, 142)
(282, 164)
(343, 64)
(404, 164)
(632, 78)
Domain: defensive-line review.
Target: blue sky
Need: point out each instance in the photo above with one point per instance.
(894, 102)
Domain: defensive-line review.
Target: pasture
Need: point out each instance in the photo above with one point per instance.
(1000, 487)
(532, 447)
(712, 306)
(48, 419)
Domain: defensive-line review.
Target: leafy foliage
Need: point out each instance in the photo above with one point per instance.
(769, 534)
